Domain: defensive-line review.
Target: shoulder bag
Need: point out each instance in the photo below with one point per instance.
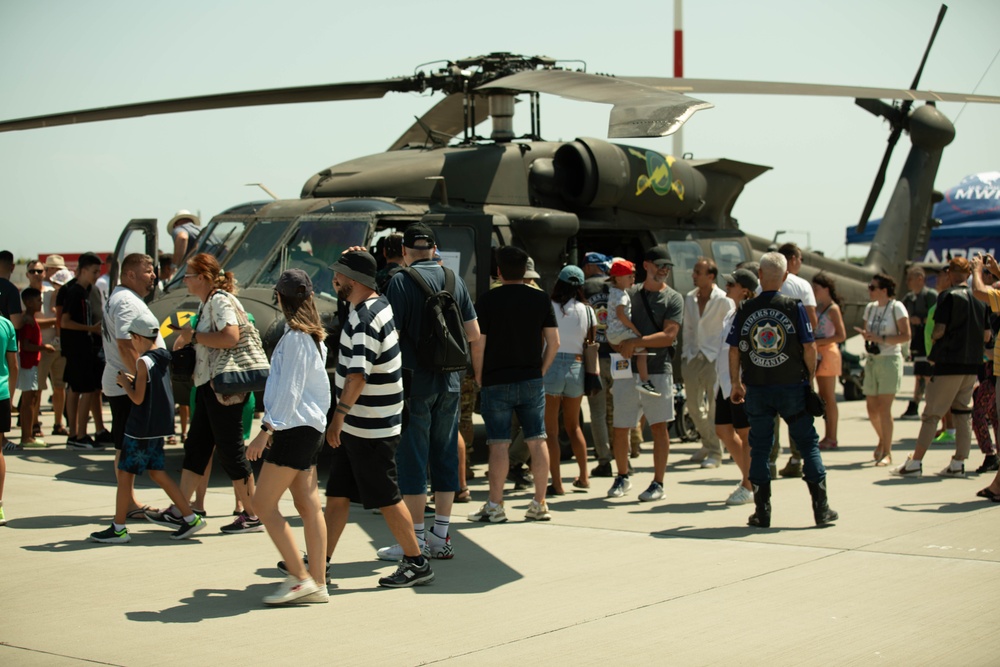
(240, 369)
(591, 367)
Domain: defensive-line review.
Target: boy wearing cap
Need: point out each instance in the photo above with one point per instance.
(150, 420)
(430, 441)
(123, 307)
(619, 322)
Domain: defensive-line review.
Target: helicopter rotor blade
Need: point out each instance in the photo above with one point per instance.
(897, 118)
(732, 87)
(296, 95)
(444, 120)
(639, 110)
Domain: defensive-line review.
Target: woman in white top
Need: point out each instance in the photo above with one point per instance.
(292, 433)
(731, 423)
(887, 325)
(564, 379)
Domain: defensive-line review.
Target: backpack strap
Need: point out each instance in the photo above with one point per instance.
(419, 279)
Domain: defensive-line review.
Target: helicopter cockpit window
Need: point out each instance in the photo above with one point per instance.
(727, 254)
(684, 255)
(313, 247)
(255, 247)
(217, 239)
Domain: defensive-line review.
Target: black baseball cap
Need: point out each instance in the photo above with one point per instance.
(659, 256)
(419, 236)
(357, 265)
(743, 278)
(294, 283)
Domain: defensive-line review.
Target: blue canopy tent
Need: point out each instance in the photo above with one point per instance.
(970, 220)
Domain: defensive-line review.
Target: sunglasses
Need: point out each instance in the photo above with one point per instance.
(36, 271)
(873, 286)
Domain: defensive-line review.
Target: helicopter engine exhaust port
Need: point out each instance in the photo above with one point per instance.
(590, 173)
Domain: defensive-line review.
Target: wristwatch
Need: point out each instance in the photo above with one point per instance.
(263, 427)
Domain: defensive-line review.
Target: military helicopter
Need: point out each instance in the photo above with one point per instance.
(555, 199)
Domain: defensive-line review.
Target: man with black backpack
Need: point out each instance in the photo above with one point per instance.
(436, 321)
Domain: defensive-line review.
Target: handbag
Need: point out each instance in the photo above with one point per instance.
(182, 362)
(240, 369)
(592, 385)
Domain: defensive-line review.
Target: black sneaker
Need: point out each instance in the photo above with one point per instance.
(408, 574)
(189, 528)
(911, 411)
(305, 560)
(243, 524)
(165, 518)
(201, 513)
(82, 442)
(104, 438)
(521, 478)
(602, 470)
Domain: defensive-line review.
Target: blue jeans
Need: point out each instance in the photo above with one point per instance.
(430, 437)
(500, 402)
(762, 405)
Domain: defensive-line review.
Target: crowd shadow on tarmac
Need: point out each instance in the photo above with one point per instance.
(207, 603)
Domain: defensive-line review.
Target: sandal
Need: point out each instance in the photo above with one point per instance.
(580, 485)
(989, 495)
(884, 461)
(463, 496)
(877, 455)
(139, 513)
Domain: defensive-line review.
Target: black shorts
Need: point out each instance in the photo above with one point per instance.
(121, 406)
(5, 415)
(727, 414)
(83, 373)
(364, 470)
(181, 388)
(218, 427)
(923, 368)
(296, 448)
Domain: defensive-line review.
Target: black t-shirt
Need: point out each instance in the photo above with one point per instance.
(960, 351)
(75, 302)
(512, 318)
(10, 299)
(595, 290)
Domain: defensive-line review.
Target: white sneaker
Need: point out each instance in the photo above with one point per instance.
(395, 553)
(710, 463)
(292, 591)
(537, 511)
(620, 486)
(321, 596)
(741, 496)
(487, 514)
(654, 492)
(952, 471)
(906, 471)
(438, 547)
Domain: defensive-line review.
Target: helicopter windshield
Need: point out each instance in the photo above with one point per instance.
(313, 247)
(217, 239)
(254, 248)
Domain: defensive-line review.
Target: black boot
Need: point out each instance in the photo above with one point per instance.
(762, 499)
(821, 510)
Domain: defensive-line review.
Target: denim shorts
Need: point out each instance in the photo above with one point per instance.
(429, 442)
(565, 376)
(500, 402)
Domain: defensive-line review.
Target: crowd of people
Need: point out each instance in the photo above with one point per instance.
(757, 347)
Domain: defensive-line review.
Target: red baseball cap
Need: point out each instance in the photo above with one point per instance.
(622, 267)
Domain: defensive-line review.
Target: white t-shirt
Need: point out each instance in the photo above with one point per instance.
(120, 310)
(48, 311)
(883, 321)
(573, 324)
(725, 381)
(797, 288)
(218, 312)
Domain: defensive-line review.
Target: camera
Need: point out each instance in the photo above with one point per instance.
(871, 347)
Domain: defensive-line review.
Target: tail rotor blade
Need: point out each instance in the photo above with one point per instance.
(879, 181)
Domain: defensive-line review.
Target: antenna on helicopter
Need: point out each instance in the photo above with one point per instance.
(265, 189)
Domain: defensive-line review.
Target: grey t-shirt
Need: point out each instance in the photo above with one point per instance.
(665, 305)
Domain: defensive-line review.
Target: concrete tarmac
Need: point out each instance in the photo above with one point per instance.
(908, 576)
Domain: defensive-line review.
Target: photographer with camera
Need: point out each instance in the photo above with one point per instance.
(887, 326)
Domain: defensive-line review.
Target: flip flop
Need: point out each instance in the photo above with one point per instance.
(989, 495)
(139, 513)
(463, 496)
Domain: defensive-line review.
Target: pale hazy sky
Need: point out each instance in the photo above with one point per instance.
(70, 189)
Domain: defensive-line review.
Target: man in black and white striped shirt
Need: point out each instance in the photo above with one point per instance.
(366, 422)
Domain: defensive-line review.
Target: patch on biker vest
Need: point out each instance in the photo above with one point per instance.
(765, 336)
